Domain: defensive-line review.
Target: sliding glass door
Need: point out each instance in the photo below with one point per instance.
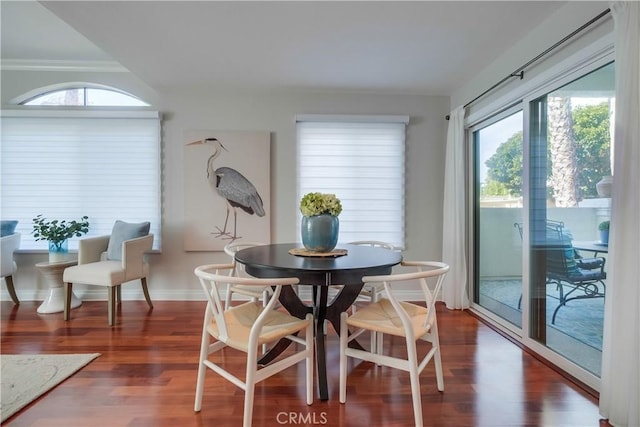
(569, 165)
(498, 215)
(540, 175)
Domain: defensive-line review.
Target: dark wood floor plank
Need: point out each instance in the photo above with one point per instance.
(147, 372)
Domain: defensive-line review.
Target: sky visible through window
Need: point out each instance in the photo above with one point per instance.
(494, 135)
(94, 97)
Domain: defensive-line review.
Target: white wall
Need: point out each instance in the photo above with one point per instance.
(566, 20)
(172, 270)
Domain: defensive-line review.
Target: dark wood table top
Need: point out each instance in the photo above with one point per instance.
(275, 261)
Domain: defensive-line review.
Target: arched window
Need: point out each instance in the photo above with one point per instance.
(85, 96)
(75, 160)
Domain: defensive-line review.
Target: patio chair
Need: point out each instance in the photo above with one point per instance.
(245, 327)
(575, 277)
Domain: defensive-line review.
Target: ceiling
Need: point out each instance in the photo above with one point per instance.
(421, 47)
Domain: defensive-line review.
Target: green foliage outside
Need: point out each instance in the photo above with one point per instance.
(505, 168)
(591, 131)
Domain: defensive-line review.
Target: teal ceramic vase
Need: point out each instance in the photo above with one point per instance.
(320, 232)
(58, 251)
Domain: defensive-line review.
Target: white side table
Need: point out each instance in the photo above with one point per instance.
(52, 273)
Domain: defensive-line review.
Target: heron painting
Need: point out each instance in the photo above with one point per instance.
(226, 169)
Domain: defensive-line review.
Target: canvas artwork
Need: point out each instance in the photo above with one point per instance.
(227, 188)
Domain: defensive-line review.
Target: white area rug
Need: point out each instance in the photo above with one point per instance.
(25, 377)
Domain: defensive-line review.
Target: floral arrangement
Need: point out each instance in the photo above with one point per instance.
(320, 203)
(56, 231)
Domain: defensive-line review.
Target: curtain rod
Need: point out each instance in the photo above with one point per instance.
(519, 72)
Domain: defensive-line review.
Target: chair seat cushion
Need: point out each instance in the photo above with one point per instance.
(124, 231)
(589, 263)
(585, 275)
(241, 318)
(382, 317)
(103, 273)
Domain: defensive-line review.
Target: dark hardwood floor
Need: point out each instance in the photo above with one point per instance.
(146, 376)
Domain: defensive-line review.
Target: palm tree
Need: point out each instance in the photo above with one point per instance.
(562, 148)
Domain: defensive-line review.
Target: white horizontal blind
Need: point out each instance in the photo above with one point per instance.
(363, 164)
(64, 165)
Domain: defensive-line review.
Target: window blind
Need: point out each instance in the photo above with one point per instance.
(65, 164)
(363, 163)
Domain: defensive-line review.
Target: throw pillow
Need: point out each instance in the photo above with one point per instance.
(124, 231)
(7, 227)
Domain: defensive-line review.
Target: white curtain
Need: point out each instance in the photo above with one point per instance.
(454, 289)
(620, 387)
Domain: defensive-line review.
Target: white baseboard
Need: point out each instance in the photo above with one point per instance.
(100, 294)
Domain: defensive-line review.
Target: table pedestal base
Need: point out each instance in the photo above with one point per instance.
(54, 303)
(52, 273)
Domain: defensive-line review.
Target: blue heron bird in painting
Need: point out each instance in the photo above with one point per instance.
(234, 187)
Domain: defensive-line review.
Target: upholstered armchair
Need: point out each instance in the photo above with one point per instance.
(111, 261)
(9, 244)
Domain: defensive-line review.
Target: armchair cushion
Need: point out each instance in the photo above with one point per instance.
(104, 273)
(7, 227)
(124, 231)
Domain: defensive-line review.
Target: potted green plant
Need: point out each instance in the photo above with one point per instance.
(603, 227)
(320, 225)
(57, 233)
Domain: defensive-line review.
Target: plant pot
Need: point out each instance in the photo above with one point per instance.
(320, 232)
(604, 237)
(58, 251)
(603, 187)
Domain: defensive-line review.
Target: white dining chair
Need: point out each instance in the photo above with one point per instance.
(372, 291)
(252, 292)
(245, 327)
(407, 320)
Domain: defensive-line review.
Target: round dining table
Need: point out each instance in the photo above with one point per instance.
(346, 268)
